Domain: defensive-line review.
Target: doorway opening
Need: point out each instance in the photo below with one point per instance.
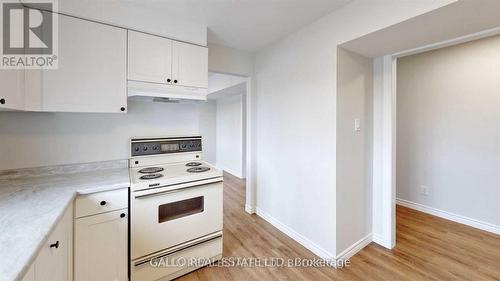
(385, 126)
(228, 99)
(446, 147)
(447, 132)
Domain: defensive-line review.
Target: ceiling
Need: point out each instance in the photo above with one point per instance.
(244, 24)
(458, 19)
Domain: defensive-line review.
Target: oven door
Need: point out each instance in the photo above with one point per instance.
(164, 217)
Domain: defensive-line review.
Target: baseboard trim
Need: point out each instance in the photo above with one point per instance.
(449, 216)
(308, 244)
(249, 209)
(355, 248)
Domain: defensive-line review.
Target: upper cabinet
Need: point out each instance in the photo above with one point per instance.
(12, 92)
(91, 76)
(162, 67)
(190, 65)
(100, 65)
(149, 58)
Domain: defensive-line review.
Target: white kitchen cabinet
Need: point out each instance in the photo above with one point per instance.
(54, 262)
(101, 202)
(91, 74)
(190, 65)
(101, 243)
(12, 92)
(159, 60)
(149, 58)
(30, 275)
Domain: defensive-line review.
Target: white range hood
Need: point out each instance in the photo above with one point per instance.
(165, 91)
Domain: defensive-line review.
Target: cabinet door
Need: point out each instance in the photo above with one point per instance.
(12, 91)
(91, 76)
(149, 58)
(30, 275)
(101, 243)
(55, 258)
(190, 65)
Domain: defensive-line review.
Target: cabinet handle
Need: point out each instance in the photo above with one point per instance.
(103, 203)
(168, 80)
(2, 101)
(122, 108)
(122, 215)
(175, 81)
(55, 245)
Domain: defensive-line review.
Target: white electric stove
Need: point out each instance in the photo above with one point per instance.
(175, 208)
(143, 178)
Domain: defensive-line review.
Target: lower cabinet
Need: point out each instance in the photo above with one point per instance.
(101, 243)
(30, 275)
(55, 259)
(91, 245)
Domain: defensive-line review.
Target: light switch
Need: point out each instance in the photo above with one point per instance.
(357, 124)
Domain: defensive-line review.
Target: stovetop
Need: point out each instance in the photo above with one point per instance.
(171, 174)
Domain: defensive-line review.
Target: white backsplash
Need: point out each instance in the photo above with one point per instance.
(33, 139)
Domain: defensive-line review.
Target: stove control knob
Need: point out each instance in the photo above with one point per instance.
(155, 147)
(145, 148)
(136, 148)
(183, 145)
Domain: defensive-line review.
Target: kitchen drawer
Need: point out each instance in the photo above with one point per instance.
(163, 268)
(101, 202)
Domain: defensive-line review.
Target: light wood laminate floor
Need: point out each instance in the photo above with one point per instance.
(427, 248)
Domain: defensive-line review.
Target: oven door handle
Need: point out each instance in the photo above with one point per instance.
(179, 248)
(158, 193)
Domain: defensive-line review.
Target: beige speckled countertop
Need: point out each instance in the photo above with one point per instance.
(33, 200)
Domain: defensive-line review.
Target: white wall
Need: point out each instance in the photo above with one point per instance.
(229, 134)
(448, 132)
(244, 134)
(222, 59)
(30, 139)
(354, 148)
(295, 118)
(207, 127)
(383, 179)
(218, 82)
(227, 60)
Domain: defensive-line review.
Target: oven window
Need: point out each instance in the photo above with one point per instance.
(179, 209)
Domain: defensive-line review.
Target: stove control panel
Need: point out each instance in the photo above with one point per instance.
(142, 147)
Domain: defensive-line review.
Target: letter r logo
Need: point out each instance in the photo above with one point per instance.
(27, 28)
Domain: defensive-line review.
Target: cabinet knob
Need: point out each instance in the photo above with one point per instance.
(2, 101)
(122, 108)
(122, 215)
(168, 80)
(55, 245)
(103, 203)
(175, 81)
